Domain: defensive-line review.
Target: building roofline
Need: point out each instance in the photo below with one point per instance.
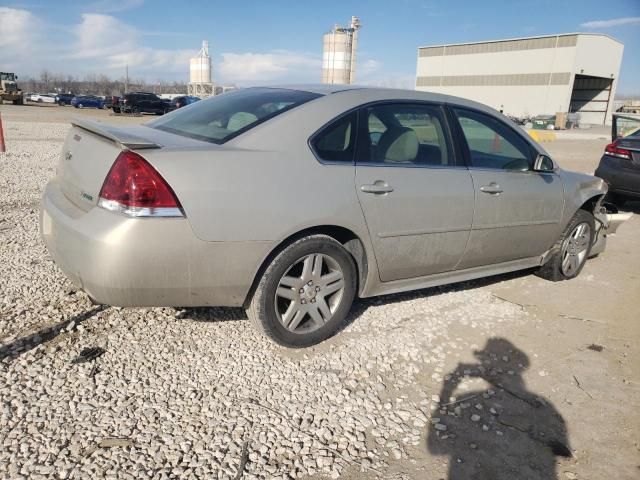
(523, 38)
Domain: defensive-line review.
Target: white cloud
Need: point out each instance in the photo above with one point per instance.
(19, 35)
(615, 22)
(281, 65)
(100, 35)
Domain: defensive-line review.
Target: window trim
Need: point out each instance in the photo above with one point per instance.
(446, 128)
(461, 140)
(314, 136)
(458, 160)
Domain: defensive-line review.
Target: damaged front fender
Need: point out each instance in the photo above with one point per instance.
(608, 220)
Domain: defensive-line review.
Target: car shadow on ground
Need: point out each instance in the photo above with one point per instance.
(500, 432)
(31, 341)
(211, 314)
(360, 305)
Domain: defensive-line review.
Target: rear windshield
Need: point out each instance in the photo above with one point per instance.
(223, 117)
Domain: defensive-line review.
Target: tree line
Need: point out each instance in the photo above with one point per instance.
(92, 84)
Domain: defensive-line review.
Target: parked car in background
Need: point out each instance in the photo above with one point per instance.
(108, 102)
(620, 163)
(248, 199)
(43, 98)
(141, 102)
(87, 101)
(64, 98)
(182, 101)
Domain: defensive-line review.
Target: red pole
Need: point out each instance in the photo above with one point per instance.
(2, 145)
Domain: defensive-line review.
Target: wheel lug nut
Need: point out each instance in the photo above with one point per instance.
(310, 283)
(317, 289)
(313, 300)
(301, 290)
(304, 301)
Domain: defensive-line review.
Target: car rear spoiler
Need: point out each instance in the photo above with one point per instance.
(121, 137)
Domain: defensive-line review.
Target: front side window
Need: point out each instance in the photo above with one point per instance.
(404, 134)
(223, 117)
(493, 144)
(336, 142)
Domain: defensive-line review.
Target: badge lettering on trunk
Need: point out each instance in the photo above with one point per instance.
(86, 196)
(68, 155)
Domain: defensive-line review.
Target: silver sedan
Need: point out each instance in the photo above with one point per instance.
(291, 202)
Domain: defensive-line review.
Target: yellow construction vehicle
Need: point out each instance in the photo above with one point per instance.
(9, 90)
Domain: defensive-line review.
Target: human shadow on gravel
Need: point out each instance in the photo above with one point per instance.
(31, 341)
(502, 433)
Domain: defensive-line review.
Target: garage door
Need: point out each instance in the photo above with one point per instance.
(590, 98)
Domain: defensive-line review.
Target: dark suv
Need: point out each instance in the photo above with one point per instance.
(141, 102)
(64, 98)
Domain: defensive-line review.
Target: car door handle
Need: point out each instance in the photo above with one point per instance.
(492, 188)
(378, 188)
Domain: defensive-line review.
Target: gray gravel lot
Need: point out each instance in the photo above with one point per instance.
(197, 393)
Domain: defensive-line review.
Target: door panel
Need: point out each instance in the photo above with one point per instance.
(422, 226)
(517, 210)
(417, 203)
(522, 221)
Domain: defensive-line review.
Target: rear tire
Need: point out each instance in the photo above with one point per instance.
(572, 249)
(305, 293)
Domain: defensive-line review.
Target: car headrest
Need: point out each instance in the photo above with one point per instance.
(398, 145)
(240, 120)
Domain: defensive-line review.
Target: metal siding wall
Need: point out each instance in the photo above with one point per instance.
(500, 46)
(499, 80)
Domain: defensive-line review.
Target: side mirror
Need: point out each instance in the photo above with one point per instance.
(543, 164)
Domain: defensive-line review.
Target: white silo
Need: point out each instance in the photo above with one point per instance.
(339, 53)
(200, 84)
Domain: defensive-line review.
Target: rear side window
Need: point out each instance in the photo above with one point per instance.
(336, 142)
(223, 117)
(404, 135)
(493, 144)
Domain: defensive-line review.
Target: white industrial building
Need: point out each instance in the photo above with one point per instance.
(575, 73)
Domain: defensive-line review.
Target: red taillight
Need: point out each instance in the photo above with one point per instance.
(135, 188)
(615, 151)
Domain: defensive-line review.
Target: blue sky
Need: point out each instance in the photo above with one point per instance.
(280, 41)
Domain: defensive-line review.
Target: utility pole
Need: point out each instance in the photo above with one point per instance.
(126, 78)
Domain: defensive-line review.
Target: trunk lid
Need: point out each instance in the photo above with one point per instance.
(91, 148)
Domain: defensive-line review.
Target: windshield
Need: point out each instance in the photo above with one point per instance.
(223, 117)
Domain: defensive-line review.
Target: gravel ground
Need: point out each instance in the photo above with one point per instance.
(197, 393)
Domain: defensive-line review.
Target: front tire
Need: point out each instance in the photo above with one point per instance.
(572, 249)
(305, 293)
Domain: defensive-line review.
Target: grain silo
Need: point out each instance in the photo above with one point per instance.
(200, 84)
(339, 53)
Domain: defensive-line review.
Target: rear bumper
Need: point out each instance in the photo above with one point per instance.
(142, 262)
(621, 179)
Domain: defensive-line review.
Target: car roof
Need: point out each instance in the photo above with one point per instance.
(373, 93)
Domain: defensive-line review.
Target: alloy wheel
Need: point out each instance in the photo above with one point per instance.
(574, 249)
(309, 293)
